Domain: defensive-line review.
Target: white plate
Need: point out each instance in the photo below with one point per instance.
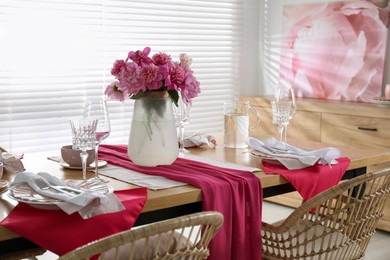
(288, 162)
(101, 164)
(3, 186)
(25, 194)
(381, 101)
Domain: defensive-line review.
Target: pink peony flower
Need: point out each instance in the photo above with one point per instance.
(185, 61)
(335, 50)
(161, 58)
(118, 66)
(141, 57)
(176, 77)
(114, 93)
(191, 89)
(152, 76)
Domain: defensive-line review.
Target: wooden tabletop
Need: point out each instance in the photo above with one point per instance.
(185, 194)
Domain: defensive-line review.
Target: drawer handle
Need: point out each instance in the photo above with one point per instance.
(367, 128)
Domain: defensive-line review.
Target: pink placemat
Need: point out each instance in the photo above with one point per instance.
(236, 194)
(312, 180)
(60, 233)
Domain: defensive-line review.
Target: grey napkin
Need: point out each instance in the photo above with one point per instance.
(88, 203)
(291, 156)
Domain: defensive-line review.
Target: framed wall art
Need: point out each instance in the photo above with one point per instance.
(333, 50)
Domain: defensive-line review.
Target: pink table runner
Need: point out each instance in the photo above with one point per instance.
(60, 233)
(236, 194)
(312, 180)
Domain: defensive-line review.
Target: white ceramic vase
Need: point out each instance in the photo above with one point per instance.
(153, 137)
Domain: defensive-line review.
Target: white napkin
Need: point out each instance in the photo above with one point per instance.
(293, 157)
(88, 203)
(12, 162)
(198, 139)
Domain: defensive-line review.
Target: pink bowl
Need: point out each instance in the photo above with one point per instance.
(1, 169)
(387, 91)
(72, 156)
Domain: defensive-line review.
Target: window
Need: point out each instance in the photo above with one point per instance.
(56, 54)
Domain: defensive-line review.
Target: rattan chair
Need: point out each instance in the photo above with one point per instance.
(185, 237)
(336, 224)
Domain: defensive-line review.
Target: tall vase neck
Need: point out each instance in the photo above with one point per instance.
(156, 94)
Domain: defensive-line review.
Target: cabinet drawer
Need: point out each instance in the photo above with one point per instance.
(305, 125)
(355, 130)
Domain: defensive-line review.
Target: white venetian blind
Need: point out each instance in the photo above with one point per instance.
(55, 54)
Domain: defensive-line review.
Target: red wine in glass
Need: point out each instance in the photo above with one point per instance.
(100, 136)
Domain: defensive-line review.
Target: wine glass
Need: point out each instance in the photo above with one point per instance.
(287, 94)
(182, 116)
(281, 110)
(84, 138)
(97, 109)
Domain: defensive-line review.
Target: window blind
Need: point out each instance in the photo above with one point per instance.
(56, 54)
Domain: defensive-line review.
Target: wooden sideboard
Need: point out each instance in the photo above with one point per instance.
(354, 124)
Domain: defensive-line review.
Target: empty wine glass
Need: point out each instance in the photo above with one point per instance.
(182, 116)
(287, 94)
(84, 138)
(281, 110)
(97, 109)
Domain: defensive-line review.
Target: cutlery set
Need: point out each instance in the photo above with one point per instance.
(62, 189)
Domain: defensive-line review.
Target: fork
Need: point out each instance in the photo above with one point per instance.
(45, 186)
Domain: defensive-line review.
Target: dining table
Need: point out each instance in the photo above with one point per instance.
(168, 203)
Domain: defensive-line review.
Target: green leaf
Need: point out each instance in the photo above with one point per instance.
(174, 96)
(138, 95)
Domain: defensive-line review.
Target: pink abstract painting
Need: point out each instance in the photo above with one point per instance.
(335, 50)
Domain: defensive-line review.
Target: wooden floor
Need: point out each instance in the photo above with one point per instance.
(378, 249)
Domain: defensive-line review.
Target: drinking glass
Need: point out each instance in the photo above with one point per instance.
(84, 138)
(281, 110)
(97, 109)
(182, 117)
(287, 94)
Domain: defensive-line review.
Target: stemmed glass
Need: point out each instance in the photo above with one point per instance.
(97, 109)
(281, 115)
(182, 116)
(84, 138)
(287, 94)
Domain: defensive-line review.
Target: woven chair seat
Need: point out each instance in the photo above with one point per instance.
(185, 237)
(336, 224)
(317, 236)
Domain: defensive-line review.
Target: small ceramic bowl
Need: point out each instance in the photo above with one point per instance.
(387, 91)
(1, 169)
(72, 156)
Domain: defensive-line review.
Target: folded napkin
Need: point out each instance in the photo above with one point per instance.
(237, 194)
(198, 139)
(292, 157)
(11, 162)
(87, 203)
(60, 233)
(312, 180)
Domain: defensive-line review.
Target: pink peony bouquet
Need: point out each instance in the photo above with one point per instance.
(140, 73)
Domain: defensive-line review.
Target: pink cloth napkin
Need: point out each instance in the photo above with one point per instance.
(312, 180)
(236, 194)
(60, 233)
